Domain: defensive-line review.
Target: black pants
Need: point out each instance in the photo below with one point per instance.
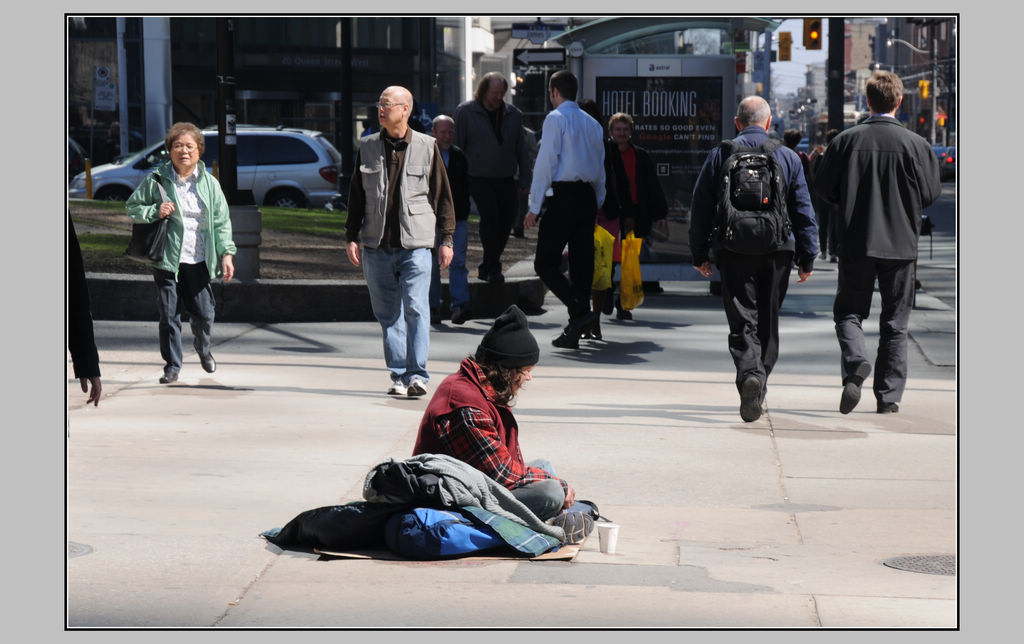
(570, 218)
(753, 287)
(852, 306)
(497, 201)
(193, 293)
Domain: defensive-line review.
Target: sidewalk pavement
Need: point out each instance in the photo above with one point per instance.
(784, 522)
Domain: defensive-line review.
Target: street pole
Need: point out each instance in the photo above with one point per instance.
(935, 78)
(836, 64)
(227, 144)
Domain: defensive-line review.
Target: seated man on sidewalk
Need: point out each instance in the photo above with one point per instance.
(469, 418)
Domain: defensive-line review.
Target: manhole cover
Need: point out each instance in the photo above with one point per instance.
(78, 549)
(928, 564)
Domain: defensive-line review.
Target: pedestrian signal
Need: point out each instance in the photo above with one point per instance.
(924, 88)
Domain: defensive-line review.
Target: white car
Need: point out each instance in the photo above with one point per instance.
(284, 167)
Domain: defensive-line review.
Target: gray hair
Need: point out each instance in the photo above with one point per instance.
(753, 110)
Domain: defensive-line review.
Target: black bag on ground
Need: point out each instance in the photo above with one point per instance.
(752, 214)
(148, 241)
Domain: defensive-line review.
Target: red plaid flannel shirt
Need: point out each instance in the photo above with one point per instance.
(472, 436)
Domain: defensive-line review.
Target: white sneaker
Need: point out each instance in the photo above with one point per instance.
(397, 388)
(416, 388)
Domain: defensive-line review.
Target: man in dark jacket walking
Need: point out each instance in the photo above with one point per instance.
(880, 176)
(753, 286)
(490, 132)
(458, 178)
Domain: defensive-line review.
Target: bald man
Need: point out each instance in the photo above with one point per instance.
(753, 285)
(399, 200)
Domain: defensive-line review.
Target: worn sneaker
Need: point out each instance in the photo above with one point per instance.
(397, 388)
(416, 388)
(576, 525)
(460, 314)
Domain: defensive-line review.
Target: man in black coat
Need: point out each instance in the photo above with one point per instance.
(881, 176)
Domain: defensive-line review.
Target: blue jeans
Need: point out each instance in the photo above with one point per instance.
(192, 293)
(544, 498)
(458, 274)
(399, 285)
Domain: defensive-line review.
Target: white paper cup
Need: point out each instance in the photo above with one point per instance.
(608, 534)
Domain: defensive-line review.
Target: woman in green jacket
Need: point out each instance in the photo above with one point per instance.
(198, 244)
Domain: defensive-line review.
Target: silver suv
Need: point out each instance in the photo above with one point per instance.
(285, 167)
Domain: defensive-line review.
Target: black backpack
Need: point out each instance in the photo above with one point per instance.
(752, 215)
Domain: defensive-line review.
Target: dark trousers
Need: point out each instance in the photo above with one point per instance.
(753, 287)
(852, 306)
(570, 218)
(497, 201)
(193, 293)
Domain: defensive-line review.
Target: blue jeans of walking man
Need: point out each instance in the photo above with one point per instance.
(399, 285)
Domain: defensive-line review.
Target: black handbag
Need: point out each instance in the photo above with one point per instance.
(148, 240)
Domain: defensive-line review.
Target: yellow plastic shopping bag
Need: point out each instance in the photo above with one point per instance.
(604, 245)
(631, 287)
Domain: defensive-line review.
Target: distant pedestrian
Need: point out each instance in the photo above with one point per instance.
(490, 132)
(765, 187)
(826, 212)
(570, 165)
(458, 179)
(399, 203)
(645, 209)
(199, 244)
(881, 176)
(532, 145)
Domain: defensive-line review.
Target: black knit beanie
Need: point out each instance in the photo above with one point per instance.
(508, 342)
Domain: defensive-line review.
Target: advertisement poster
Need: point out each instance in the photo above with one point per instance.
(676, 119)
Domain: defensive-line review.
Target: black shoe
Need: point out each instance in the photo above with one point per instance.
(623, 314)
(851, 388)
(567, 340)
(460, 314)
(652, 287)
(576, 525)
(435, 315)
(834, 260)
(750, 399)
(496, 278)
(888, 408)
(169, 377)
(209, 364)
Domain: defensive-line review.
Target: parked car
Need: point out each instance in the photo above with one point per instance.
(947, 161)
(76, 159)
(291, 168)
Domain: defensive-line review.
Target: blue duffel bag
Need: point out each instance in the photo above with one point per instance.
(431, 533)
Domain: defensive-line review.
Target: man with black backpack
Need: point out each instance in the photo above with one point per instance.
(752, 211)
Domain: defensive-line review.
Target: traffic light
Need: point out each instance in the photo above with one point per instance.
(923, 88)
(785, 46)
(812, 33)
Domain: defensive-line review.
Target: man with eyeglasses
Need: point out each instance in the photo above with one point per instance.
(399, 200)
(490, 132)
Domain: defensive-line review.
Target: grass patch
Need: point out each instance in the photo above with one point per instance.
(104, 253)
(318, 223)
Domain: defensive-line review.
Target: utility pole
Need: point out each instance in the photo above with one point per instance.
(227, 143)
(836, 66)
(935, 78)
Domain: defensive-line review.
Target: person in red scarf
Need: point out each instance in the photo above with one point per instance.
(469, 418)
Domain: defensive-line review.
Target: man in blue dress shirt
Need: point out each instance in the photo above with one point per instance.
(568, 180)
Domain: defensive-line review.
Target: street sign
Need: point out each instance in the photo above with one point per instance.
(537, 32)
(551, 56)
(104, 94)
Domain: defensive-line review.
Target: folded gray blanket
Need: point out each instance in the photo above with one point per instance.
(461, 484)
